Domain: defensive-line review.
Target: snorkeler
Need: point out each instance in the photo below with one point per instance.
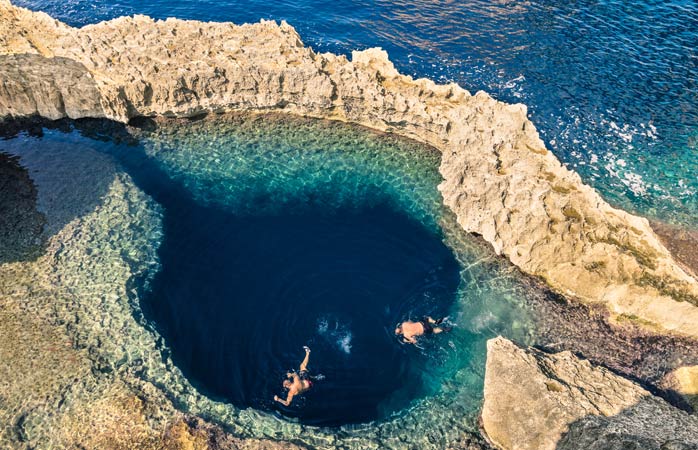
(410, 330)
(297, 383)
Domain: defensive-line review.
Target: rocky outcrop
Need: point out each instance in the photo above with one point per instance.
(53, 88)
(683, 381)
(499, 178)
(535, 400)
(681, 242)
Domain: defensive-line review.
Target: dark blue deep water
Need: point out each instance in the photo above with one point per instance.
(612, 85)
(238, 297)
(241, 296)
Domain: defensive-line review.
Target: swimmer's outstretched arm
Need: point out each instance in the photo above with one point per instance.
(288, 400)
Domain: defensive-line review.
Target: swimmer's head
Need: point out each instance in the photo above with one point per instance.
(287, 384)
(398, 330)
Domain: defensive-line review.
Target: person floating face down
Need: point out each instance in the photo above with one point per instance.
(411, 330)
(297, 383)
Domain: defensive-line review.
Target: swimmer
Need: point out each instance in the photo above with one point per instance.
(297, 383)
(410, 330)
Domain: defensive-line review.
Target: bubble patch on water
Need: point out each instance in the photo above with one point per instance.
(337, 333)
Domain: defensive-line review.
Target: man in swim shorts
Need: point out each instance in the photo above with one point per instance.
(410, 330)
(297, 383)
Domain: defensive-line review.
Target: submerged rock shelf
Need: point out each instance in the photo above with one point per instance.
(109, 380)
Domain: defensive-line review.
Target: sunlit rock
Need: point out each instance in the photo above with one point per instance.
(535, 400)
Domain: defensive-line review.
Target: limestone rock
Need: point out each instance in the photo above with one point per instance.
(49, 87)
(684, 382)
(192, 433)
(682, 243)
(499, 179)
(535, 400)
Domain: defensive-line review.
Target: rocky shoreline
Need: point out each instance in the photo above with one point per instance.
(499, 180)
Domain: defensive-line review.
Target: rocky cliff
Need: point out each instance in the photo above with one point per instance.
(540, 401)
(499, 178)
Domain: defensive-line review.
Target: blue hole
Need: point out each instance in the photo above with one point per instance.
(238, 297)
(272, 245)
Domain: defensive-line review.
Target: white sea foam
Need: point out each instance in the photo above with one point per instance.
(336, 333)
(345, 343)
(618, 168)
(635, 183)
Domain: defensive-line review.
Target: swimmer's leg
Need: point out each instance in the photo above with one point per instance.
(304, 364)
(437, 321)
(442, 329)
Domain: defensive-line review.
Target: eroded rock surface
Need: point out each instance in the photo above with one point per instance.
(498, 177)
(535, 400)
(50, 87)
(684, 382)
(683, 244)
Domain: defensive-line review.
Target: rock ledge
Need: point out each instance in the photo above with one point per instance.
(540, 401)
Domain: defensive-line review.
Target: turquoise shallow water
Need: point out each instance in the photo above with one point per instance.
(612, 86)
(253, 170)
(270, 165)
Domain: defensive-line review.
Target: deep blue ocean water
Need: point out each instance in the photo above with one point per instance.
(611, 85)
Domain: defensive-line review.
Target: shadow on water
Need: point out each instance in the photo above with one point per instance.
(20, 222)
(47, 183)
